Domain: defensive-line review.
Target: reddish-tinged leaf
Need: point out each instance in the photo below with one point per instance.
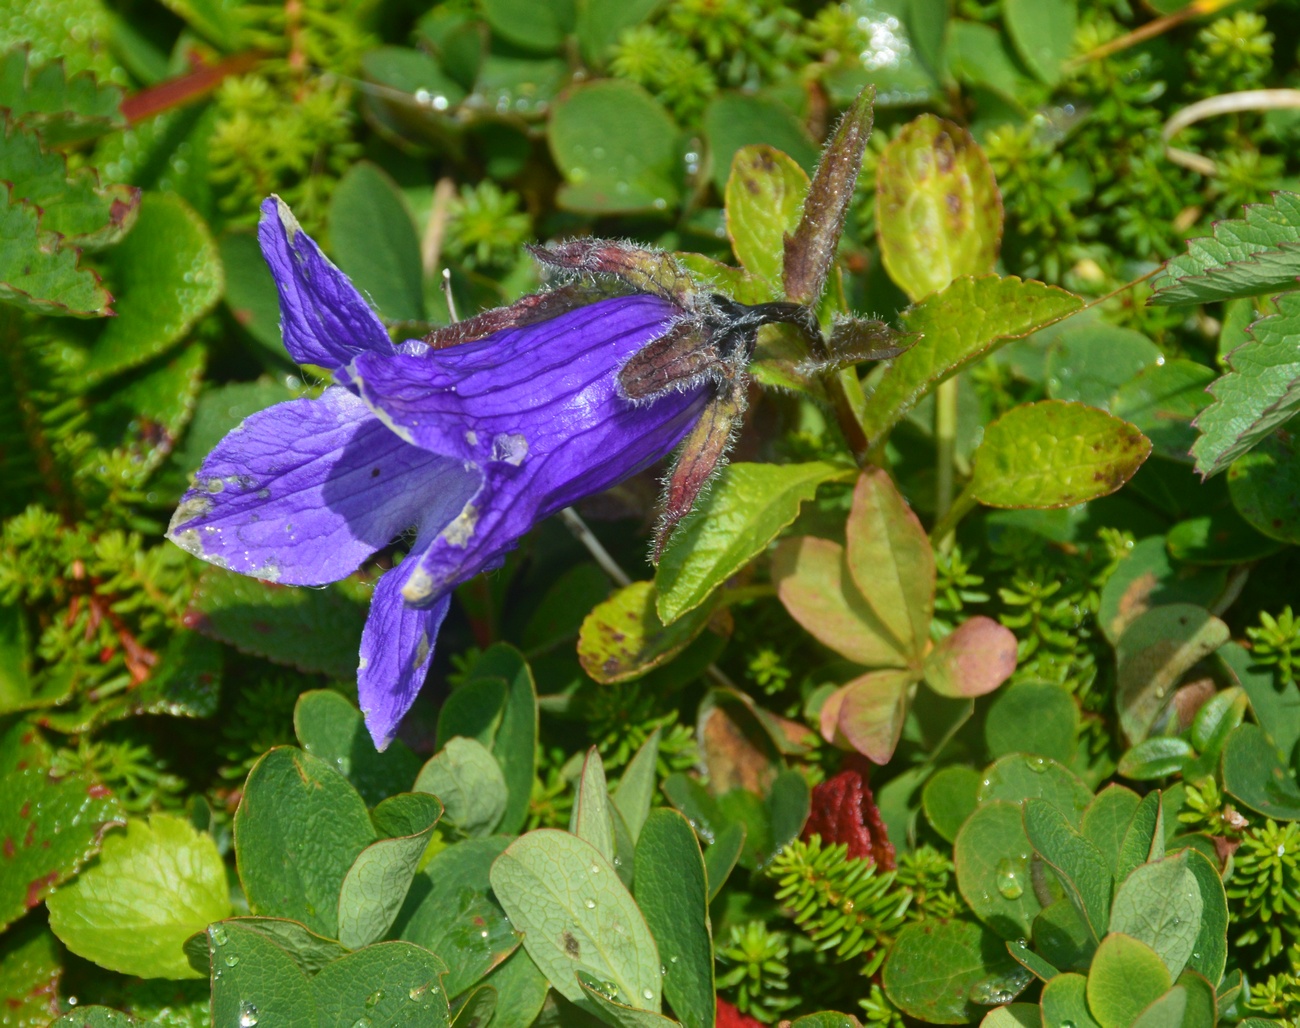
(844, 811)
(974, 660)
(817, 590)
(810, 252)
(527, 311)
(891, 561)
(675, 360)
(738, 752)
(698, 459)
(867, 714)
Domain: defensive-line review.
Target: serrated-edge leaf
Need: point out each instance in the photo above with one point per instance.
(1248, 256)
(38, 273)
(61, 107)
(1260, 391)
(957, 326)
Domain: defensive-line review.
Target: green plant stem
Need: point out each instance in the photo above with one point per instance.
(941, 535)
(945, 436)
(846, 395)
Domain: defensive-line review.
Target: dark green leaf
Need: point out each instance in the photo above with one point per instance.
(375, 242)
(288, 866)
(1126, 976)
(1253, 774)
(328, 726)
(992, 855)
(1078, 863)
(1265, 485)
(933, 966)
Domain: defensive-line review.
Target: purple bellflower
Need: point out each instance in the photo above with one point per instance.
(467, 445)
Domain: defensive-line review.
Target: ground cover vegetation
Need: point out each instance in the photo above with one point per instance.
(953, 682)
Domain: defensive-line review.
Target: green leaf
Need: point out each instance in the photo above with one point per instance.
(467, 779)
(949, 797)
(1014, 1015)
(255, 981)
(1032, 717)
(31, 964)
(764, 198)
(671, 890)
(1064, 1001)
(386, 985)
(1107, 820)
(1257, 254)
(287, 865)
(250, 290)
(576, 915)
(1221, 537)
(1042, 33)
(217, 20)
(37, 274)
(1125, 978)
(744, 510)
(1160, 904)
(74, 204)
(601, 22)
(51, 825)
(154, 886)
(477, 1009)
(1062, 936)
(1253, 774)
(616, 147)
(1088, 363)
(939, 212)
(623, 638)
(1016, 778)
(735, 119)
(378, 880)
(1077, 862)
(1143, 839)
(375, 242)
(98, 1017)
(992, 855)
(1055, 454)
(328, 726)
(602, 1000)
(934, 965)
(521, 989)
(591, 819)
(1030, 961)
(61, 108)
(167, 274)
(1161, 400)
(1276, 704)
(515, 744)
(313, 630)
(1145, 579)
(973, 660)
(636, 789)
(448, 911)
(720, 858)
(1153, 654)
(1259, 394)
(473, 713)
(1157, 757)
(530, 25)
(308, 950)
(1210, 952)
(956, 327)
(1265, 486)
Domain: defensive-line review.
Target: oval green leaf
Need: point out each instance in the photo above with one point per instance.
(1055, 454)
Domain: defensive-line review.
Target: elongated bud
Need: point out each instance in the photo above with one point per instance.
(810, 251)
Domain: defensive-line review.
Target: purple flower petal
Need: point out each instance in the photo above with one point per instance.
(539, 410)
(325, 321)
(305, 491)
(396, 648)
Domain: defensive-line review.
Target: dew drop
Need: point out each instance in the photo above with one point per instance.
(1036, 764)
(595, 869)
(373, 999)
(417, 993)
(590, 904)
(647, 994)
(219, 935)
(483, 934)
(1008, 879)
(362, 1022)
(232, 960)
(247, 1014)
